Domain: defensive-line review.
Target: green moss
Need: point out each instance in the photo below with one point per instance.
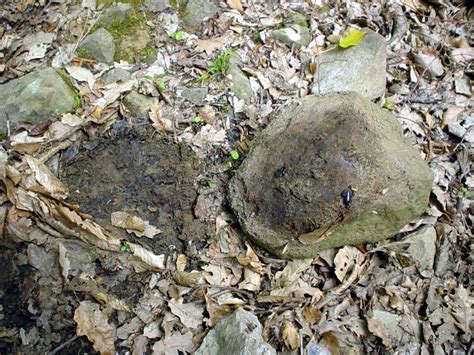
(82, 53)
(75, 95)
(3, 136)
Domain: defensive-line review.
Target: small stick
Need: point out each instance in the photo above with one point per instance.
(63, 345)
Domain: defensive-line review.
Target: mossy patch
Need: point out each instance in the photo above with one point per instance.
(75, 95)
(132, 37)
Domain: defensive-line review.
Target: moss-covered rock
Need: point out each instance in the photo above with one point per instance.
(36, 97)
(292, 193)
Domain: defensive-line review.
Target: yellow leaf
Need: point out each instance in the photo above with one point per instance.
(290, 336)
(235, 5)
(352, 39)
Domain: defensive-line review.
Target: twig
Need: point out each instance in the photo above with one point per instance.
(63, 345)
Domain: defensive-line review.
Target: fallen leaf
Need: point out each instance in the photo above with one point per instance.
(81, 75)
(290, 336)
(311, 314)
(46, 178)
(190, 314)
(160, 123)
(352, 39)
(463, 54)
(133, 224)
(175, 344)
(209, 45)
(450, 116)
(345, 261)
(149, 260)
(235, 5)
(92, 322)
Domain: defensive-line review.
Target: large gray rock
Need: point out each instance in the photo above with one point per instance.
(361, 68)
(99, 46)
(238, 334)
(35, 97)
(114, 75)
(287, 194)
(195, 95)
(196, 11)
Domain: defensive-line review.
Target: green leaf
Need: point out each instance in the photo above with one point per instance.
(352, 39)
(124, 247)
(198, 120)
(234, 154)
(161, 85)
(178, 36)
(389, 104)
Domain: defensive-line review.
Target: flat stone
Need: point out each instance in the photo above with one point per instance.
(195, 95)
(198, 11)
(361, 68)
(132, 47)
(138, 104)
(240, 84)
(422, 249)
(35, 97)
(292, 35)
(99, 46)
(287, 194)
(238, 334)
(157, 5)
(118, 12)
(114, 75)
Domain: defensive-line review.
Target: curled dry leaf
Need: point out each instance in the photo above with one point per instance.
(160, 123)
(134, 224)
(175, 344)
(450, 115)
(46, 178)
(290, 336)
(110, 301)
(463, 54)
(92, 322)
(148, 260)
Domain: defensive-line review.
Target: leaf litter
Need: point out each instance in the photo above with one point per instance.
(411, 293)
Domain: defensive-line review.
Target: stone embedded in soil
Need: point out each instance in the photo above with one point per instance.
(114, 75)
(287, 193)
(292, 35)
(196, 12)
(120, 12)
(139, 105)
(239, 83)
(239, 334)
(361, 68)
(99, 46)
(195, 95)
(35, 97)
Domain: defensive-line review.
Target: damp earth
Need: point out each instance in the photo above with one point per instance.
(147, 175)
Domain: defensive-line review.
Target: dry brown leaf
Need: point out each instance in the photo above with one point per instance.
(450, 115)
(181, 262)
(311, 314)
(160, 123)
(345, 260)
(235, 5)
(175, 344)
(133, 224)
(331, 342)
(110, 301)
(209, 45)
(92, 322)
(46, 178)
(208, 114)
(290, 336)
(463, 54)
(190, 314)
(216, 311)
(251, 260)
(149, 260)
